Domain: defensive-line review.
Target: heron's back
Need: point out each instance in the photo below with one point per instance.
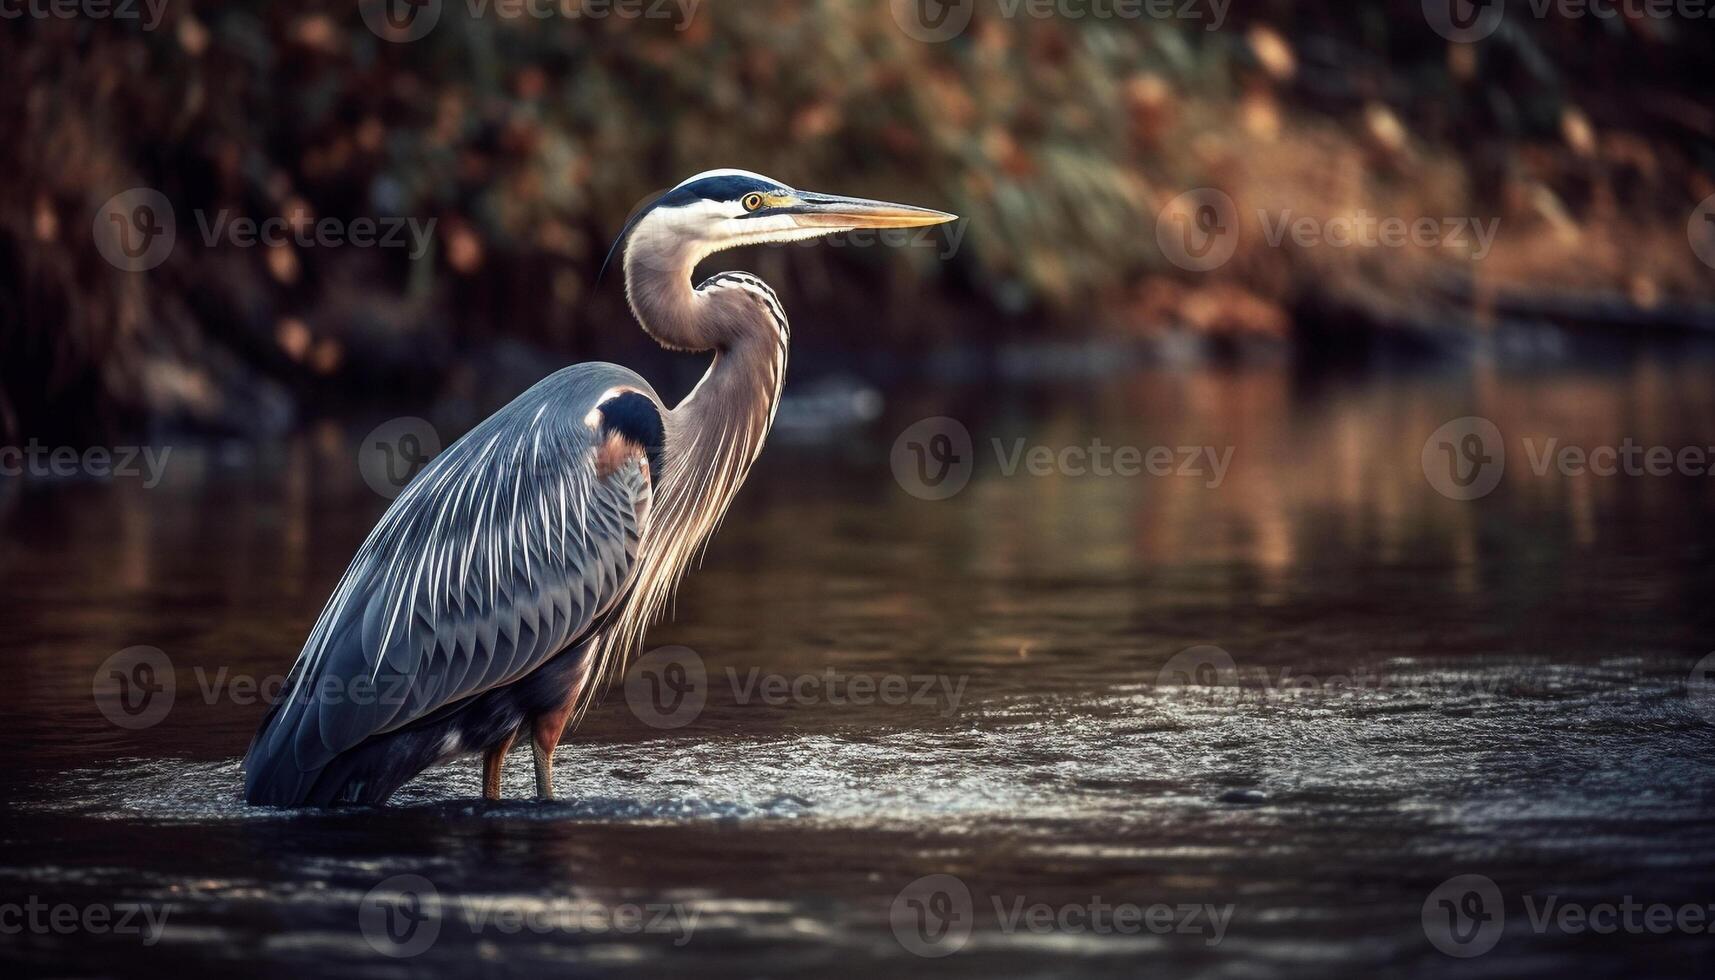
(501, 553)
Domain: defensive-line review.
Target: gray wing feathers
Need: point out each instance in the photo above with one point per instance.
(501, 553)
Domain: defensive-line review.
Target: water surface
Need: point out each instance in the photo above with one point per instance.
(1421, 688)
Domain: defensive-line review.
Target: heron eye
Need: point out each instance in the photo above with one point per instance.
(752, 202)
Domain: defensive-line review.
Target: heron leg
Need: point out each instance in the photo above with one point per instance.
(573, 668)
(544, 755)
(548, 729)
(492, 764)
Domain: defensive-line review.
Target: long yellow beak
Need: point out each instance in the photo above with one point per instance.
(829, 211)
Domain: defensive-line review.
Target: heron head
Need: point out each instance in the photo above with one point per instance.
(724, 209)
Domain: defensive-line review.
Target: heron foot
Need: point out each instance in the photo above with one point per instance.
(544, 756)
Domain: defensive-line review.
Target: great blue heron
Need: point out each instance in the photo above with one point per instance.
(517, 571)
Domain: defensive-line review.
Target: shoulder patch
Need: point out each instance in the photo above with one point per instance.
(634, 418)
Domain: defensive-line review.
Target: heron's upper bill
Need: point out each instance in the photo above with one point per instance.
(831, 212)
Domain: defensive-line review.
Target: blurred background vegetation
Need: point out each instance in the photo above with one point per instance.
(1059, 140)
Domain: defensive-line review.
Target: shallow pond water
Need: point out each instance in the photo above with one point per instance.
(1274, 707)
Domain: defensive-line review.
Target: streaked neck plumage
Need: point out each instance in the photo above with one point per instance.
(735, 315)
(713, 435)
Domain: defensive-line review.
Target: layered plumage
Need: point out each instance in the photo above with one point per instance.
(506, 549)
(522, 567)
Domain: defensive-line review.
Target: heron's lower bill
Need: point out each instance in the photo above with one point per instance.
(828, 211)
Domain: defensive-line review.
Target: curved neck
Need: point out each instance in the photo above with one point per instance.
(724, 420)
(733, 314)
(713, 435)
(658, 287)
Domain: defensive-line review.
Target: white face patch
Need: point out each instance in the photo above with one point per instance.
(672, 237)
(773, 228)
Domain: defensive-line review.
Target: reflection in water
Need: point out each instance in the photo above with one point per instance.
(1420, 687)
